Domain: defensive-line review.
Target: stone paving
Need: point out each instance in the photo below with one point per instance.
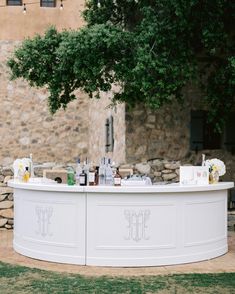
(225, 263)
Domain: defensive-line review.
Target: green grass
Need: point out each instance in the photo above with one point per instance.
(23, 280)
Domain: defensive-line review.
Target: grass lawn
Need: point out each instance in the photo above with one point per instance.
(19, 279)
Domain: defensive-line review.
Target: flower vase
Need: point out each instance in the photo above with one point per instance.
(214, 177)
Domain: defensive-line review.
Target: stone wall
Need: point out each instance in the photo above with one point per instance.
(159, 170)
(6, 200)
(231, 221)
(163, 133)
(26, 125)
(99, 111)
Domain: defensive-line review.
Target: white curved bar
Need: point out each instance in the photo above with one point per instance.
(120, 226)
(174, 187)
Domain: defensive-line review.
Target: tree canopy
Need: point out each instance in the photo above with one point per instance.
(150, 48)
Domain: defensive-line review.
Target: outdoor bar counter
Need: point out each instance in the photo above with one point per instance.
(120, 226)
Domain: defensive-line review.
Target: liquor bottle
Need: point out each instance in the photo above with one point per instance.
(91, 176)
(83, 179)
(78, 171)
(102, 172)
(117, 178)
(109, 174)
(96, 176)
(26, 175)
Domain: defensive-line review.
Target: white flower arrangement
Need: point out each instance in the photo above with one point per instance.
(19, 166)
(216, 165)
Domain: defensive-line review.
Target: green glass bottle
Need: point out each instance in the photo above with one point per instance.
(70, 177)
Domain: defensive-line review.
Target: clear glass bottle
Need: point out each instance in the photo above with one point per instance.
(109, 174)
(78, 171)
(102, 172)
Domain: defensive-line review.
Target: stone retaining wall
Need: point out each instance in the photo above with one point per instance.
(159, 170)
(231, 221)
(6, 200)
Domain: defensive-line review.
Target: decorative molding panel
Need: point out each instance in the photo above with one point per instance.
(43, 215)
(137, 224)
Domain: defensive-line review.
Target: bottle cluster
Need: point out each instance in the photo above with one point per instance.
(88, 175)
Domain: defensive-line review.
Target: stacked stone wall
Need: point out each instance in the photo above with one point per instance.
(159, 170)
(26, 126)
(6, 193)
(6, 200)
(163, 133)
(231, 221)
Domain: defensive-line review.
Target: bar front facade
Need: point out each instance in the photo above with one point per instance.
(121, 226)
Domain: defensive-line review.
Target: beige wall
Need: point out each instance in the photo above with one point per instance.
(14, 25)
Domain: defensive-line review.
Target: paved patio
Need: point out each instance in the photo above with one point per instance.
(225, 263)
